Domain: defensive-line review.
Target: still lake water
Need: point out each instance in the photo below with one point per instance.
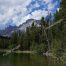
(27, 60)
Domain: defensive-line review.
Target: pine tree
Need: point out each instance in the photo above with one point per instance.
(63, 24)
(60, 29)
(63, 9)
(14, 40)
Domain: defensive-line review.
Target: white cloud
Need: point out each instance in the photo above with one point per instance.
(10, 3)
(23, 19)
(18, 12)
(34, 15)
(10, 8)
(38, 14)
(58, 9)
(50, 6)
(36, 5)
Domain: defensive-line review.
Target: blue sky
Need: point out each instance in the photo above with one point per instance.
(16, 12)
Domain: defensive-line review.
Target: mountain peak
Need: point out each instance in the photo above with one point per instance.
(10, 29)
(28, 23)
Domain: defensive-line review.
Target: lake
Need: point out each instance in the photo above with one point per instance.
(27, 60)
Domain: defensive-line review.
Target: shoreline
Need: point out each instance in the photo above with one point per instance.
(7, 51)
(17, 51)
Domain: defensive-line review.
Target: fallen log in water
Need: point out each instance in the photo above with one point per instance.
(10, 51)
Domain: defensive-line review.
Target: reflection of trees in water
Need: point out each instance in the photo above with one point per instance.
(30, 60)
(20, 59)
(35, 60)
(50, 61)
(56, 61)
(60, 61)
(38, 60)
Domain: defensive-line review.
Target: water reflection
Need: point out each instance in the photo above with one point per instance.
(26, 60)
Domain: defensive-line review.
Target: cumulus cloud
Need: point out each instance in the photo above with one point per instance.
(10, 9)
(50, 6)
(10, 3)
(36, 5)
(39, 13)
(18, 11)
